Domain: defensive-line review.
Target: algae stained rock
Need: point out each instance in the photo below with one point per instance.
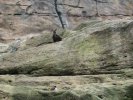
(104, 47)
(90, 63)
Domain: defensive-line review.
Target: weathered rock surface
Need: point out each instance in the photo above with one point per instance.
(101, 47)
(92, 62)
(98, 53)
(22, 17)
(98, 87)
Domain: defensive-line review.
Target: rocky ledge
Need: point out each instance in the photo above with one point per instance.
(92, 62)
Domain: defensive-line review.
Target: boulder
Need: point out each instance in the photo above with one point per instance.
(100, 47)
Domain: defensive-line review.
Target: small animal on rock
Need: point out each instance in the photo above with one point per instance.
(56, 38)
(53, 88)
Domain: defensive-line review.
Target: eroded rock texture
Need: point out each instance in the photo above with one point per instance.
(99, 53)
(94, 60)
(19, 17)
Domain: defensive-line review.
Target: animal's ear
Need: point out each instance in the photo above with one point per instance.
(54, 30)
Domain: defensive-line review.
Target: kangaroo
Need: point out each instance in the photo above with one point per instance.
(56, 38)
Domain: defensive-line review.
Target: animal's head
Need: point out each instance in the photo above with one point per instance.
(54, 31)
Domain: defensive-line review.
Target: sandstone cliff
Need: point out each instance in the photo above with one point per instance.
(94, 61)
(99, 54)
(28, 17)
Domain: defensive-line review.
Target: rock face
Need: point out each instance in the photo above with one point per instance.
(21, 17)
(98, 54)
(100, 47)
(94, 60)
